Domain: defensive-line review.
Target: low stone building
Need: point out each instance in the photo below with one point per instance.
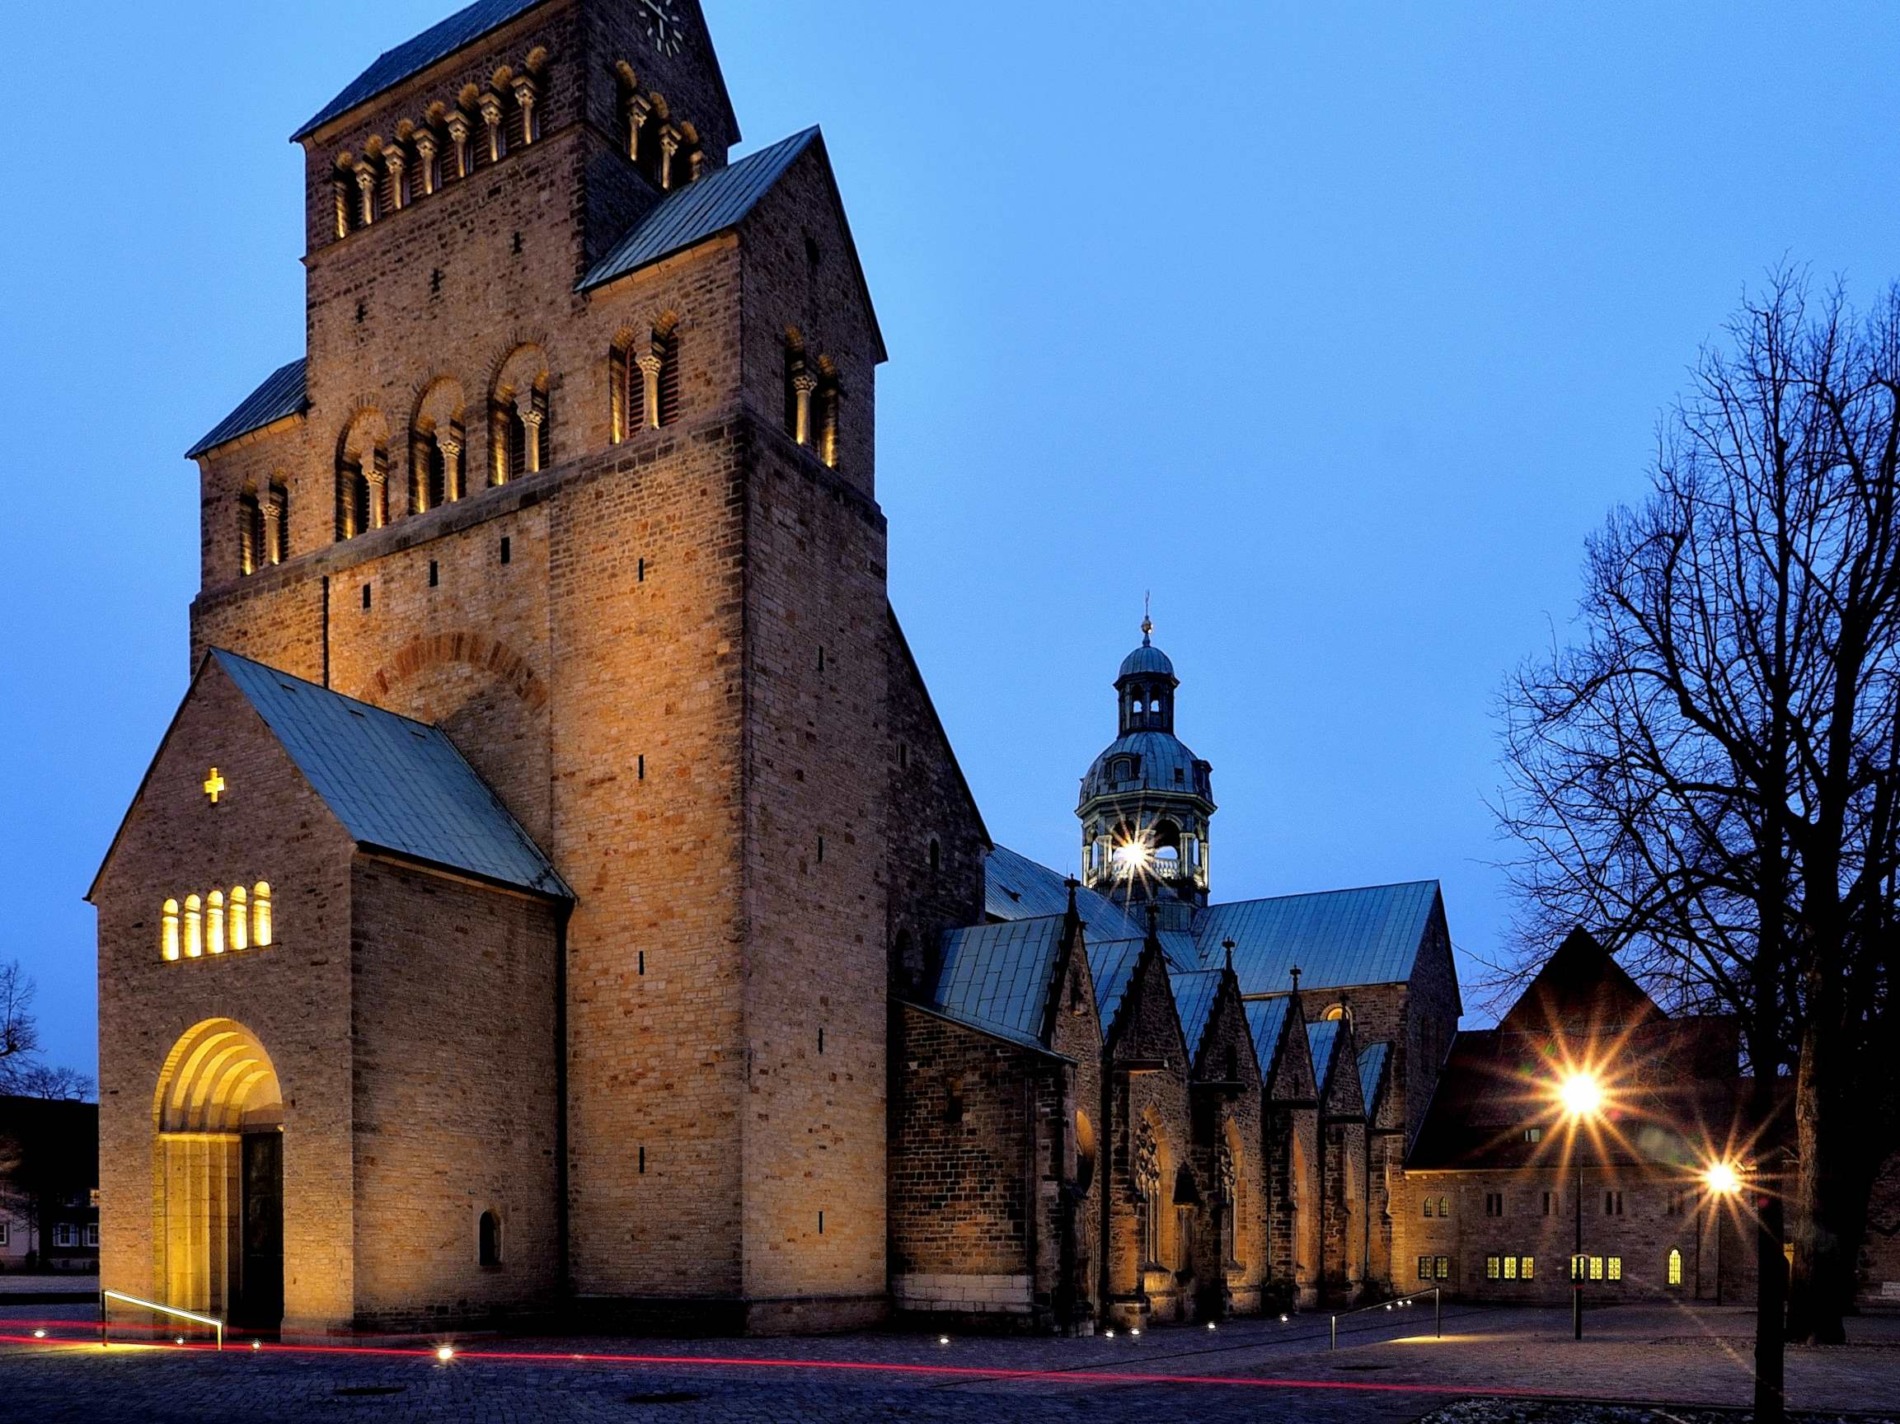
(49, 1185)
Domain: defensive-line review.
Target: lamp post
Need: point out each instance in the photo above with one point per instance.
(1582, 1098)
(1722, 1180)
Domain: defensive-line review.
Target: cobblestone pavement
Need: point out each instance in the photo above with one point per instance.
(1385, 1369)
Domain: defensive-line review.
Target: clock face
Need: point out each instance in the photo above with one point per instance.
(665, 26)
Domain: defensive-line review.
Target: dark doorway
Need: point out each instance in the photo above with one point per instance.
(258, 1303)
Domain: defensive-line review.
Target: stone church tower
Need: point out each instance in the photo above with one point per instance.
(578, 475)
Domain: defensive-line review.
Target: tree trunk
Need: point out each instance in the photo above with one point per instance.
(1823, 1284)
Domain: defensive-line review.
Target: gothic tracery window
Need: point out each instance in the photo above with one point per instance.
(1145, 1169)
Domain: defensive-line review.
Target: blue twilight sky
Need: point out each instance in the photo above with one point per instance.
(1336, 325)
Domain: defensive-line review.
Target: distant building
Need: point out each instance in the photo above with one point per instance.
(1501, 1177)
(49, 1185)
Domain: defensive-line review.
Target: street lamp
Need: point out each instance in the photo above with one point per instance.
(1722, 1180)
(1581, 1096)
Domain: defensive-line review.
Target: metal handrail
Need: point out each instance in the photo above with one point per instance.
(110, 1295)
(1437, 1293)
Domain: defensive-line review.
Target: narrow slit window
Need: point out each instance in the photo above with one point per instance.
(168, 930)
(262, 931)
(240, 918)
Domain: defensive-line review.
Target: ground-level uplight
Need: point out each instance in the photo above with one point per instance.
(257, 1344)
(445, 1353)
(39, 1334)
(943, 1339)
(1212, 1326)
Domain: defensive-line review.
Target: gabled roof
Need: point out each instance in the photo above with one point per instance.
(395, 784)
(1337, 938)
(282, 395)
(1017, 888)
(1112, 967)
(1373, 1061)
(1194, 994)
(1580, 987)
(1322, 1037)
(689, 216)
(1266, 1019)
(998, 976)
(413, 56)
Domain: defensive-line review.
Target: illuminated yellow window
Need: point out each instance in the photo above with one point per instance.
(240, 920)
(194, 928)
(1675, 1268)
(1510, 1268)
(1527, 1268)
(168, 930)
(1596, 1268)
(214, 922)
(260, 915)
(1492, 1268)
(1616, 1268)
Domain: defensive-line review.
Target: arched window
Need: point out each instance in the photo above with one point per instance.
(250, 534)
(1675, 1267)
(168, 930)
(214, 922)
(194, 928)
(240, 920)
(261, 928)
(644, 378)
(362, 476)
(666, 349)
(488, 1241)
(520, 428)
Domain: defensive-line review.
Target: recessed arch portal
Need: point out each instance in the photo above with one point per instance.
(217, 1198)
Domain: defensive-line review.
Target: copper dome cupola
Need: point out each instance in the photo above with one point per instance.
(1147, 799)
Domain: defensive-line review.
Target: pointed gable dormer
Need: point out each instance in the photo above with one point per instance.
(1581, 990)
(1336, 1069)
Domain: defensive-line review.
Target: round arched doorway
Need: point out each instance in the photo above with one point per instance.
(218, 1198)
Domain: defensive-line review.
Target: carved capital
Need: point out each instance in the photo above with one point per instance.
(425, 144)
(650, 364)
(458, 126)
(366, 177)
(490, 105)
(804, 383)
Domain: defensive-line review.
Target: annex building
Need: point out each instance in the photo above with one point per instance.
(556, 893)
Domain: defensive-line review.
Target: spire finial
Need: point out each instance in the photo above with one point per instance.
(1228, 945)
(1147, 619)
(1296, 978)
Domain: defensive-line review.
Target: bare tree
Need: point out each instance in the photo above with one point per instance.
(1708, 773)
(19, 1034)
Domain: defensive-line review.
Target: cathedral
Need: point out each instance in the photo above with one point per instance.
(556, 896)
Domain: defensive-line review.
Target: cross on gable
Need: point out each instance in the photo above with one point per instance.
(214, 786)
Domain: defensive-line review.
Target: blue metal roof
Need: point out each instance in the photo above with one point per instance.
(1321, 1037)
(281, 395)
(1146, 659)
(1112, 966)
(1163, 764)
(1267, 1018)
(1337, 938)
(1017, 888)
(690, 215)
(1194, 994)
(1372, 1064)
(413, 56)
(998, 976)
(395, 784)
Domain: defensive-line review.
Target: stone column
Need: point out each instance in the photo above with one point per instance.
(491, 125)
(451, 449)
(340, 190)
(651, 364)
(670, 140)
(377, 473)
(273, 527)
(425, 155)
(366, 191)
(457, 124)
(804, 383)
(524, 99)
(531, 420)
(637, 110)
(393, 160)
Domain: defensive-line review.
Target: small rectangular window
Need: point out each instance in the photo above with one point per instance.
(1527, 1268)
(65, 1235)
(92, 1233)
(1493, 1268)
(435, 573)
(641, 576)
(1596, 1268)
(821, 1040)
(507, 549)
(821, 1223)
(1424, 1268)
(641, 767)
(1442, 1268)
(1550, 1203)
(366, 595)
(1616, 1268)
(641, 967)
(1533, 1134)
(821, 850)
(1510, 1268)
(643, 1161)
(1612, 1203)
(5, 1228)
